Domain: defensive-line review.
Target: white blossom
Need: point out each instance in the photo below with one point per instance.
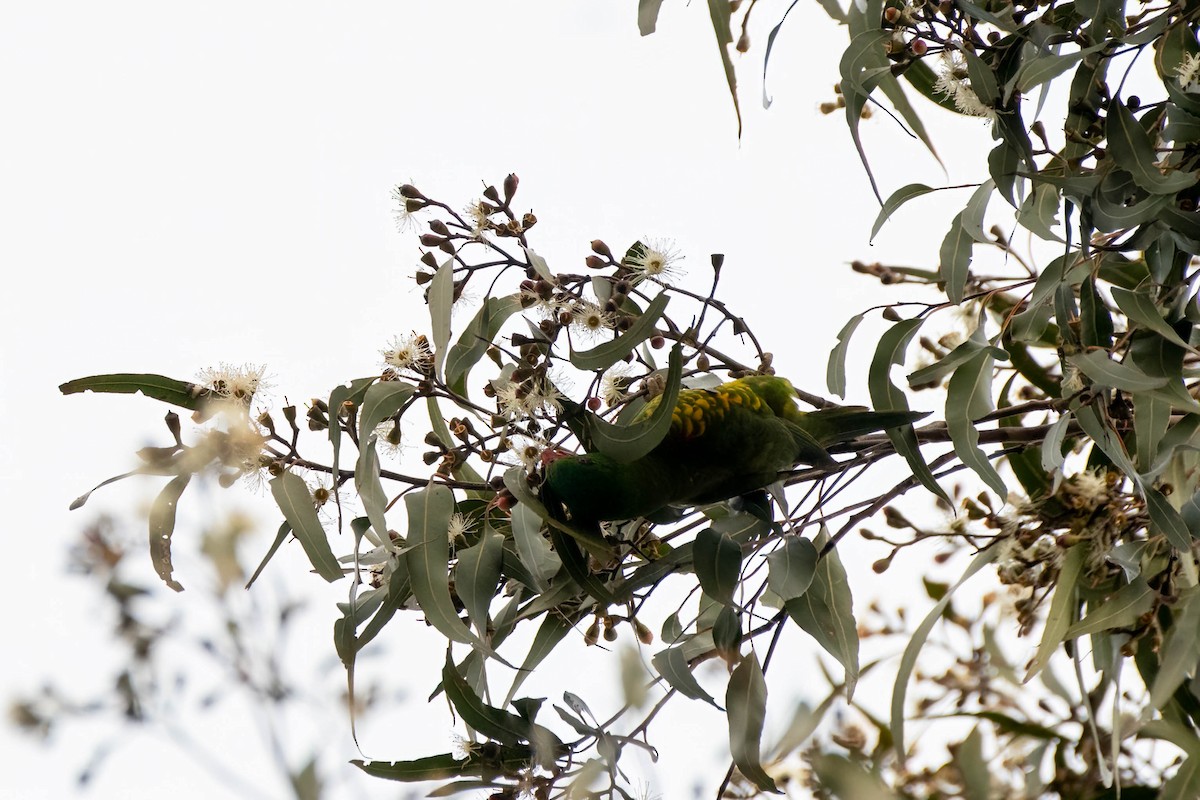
(479, 216)
(1188, 72)
(407, 213)
(238, 384)
(614, 383)
(952, 81)
(658, 260)
(409, 352)
(520, 400)
(458, 527)
(590, 320)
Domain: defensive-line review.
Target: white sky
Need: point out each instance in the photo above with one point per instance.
(186, 185)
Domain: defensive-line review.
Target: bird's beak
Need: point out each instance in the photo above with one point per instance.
(552, 454)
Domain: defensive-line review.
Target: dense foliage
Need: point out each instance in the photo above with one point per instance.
(1069, 395)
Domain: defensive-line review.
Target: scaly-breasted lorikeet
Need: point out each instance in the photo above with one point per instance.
(723, 442)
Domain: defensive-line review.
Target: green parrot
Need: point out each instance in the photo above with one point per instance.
(723, 442)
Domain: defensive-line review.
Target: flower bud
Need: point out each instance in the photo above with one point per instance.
(918, 47)
(172, 420)
(600, 248)
(595, 262)
(743, 42)
(439, 227)
(511, 181)
(429, 260)
(431, 240)
(410, 191)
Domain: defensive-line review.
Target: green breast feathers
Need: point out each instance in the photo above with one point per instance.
(723, 442)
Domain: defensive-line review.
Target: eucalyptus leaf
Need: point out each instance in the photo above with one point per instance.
(498, 724)
(954, 259)
(476, 576)
(603, 356)
(1063, 608)
(1052, 455)
(718, 563)
(162, 527)
(969, 350)
(1039, 70)
(532, 547)
(886, 396)
(157, 387)
(370, 487)
(835, 373)
(440, 300)
(746, 701)
(1039, 212)
(719, 13)
(909, 660)
(1105, 372)
(539, 265)
(895, 200)
(1151, 416)
(1121, 609)
(826, 612)
(1132, 150)
(864, 56)
(554, 629)
(791, 568)
(973, 212)
(428, 556)
(648, 16)
(477, 337)
(973, 767)
(1180, 650)
(968, 397)
(1166, 520)
(295, 500)
(627, 443)
(1140, 308)
(672, 665)
(430, 768)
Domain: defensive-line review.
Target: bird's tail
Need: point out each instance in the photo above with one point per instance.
(833, 425)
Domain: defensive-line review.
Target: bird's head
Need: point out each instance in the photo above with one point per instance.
(579, 485)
